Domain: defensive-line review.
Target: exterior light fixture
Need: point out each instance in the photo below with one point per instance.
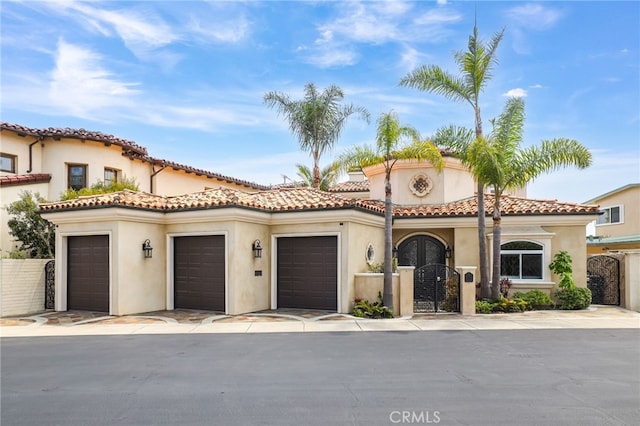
(447, 252)
(257, 249)
(147, 249)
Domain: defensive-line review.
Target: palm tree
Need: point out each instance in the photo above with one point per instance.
(475, 67)
(328, 176)
(501, 162)
(387, 152)
(316, 120)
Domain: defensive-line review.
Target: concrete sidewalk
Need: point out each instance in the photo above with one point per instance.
(274, 322)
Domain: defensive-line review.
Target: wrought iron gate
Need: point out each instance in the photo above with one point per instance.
(603, 279)
(50, 285)
(436, 289)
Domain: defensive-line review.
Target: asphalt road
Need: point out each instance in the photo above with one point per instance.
(531, 377)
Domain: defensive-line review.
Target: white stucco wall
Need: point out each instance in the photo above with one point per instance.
(632, 281)
(136, 284)
(22, 286)
(451, 184)
(57, 155)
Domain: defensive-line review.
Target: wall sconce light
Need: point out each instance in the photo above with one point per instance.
(147, 249)
(257, 249)
(394, 251)
(447, 252)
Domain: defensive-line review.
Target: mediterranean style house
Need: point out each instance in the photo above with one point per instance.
(49, 161)
(198, 240)
(617, 228)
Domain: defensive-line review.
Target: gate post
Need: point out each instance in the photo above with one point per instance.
(467, 289)
(406, 291)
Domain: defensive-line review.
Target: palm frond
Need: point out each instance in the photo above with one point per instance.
(456, 139)
(431, 78)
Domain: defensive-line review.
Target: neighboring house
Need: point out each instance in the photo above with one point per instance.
(617, 228)
(235, 251)
(49, 161)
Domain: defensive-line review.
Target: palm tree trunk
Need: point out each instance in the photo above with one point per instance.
(387, 294)
(316, 169)
(482, 245)
(497, 235)
(485, 289)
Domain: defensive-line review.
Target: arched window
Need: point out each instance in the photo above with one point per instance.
(521, 260)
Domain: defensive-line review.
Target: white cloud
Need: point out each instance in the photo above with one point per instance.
(531, 16)
(536, 86)
(333, 56)
(438, 17)
(534, 16)
(515, 93)
(81, 85)
(374, 23)
(229, 31)
(360, 24)
(201, 118)
(140, 29)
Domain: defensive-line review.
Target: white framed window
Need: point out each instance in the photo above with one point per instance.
(522, 260)
(610, 215)
(7, 162)
(110, 176)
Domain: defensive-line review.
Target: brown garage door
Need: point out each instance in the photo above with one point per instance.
(307, 273)
(199, 272)
(88, 273)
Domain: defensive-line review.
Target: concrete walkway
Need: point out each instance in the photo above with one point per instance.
(170, 322)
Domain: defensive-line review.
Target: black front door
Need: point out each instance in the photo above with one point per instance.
(428, 283)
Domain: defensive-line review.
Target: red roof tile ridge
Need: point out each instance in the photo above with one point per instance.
(68, 132)
(219, 176)
(11, 180)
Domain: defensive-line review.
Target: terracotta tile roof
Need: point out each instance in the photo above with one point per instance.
(10, 180)
(277, 200)
(350, 186)
(58, 133)
(299, 199)
(509, 205)
(130, 149)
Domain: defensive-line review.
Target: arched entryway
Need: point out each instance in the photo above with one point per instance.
(436, 286)
(420, 250)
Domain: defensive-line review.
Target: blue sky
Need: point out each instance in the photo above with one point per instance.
(186, 79)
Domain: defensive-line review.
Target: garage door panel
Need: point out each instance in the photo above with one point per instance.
(88, 273)
(307, 273)
(199, 272)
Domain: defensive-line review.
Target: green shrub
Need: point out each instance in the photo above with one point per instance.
(36, 235)
(509, 305)
(366, 309)
(561, 266)
(488, 306)
(16, 253)
(574, 298)
(100, 188)
(484, 307)
(536, 299)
